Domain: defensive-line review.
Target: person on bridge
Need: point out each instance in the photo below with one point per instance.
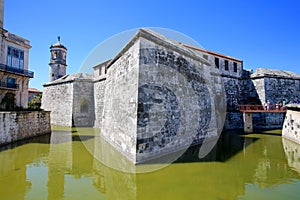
(265, 105)
(268, 104)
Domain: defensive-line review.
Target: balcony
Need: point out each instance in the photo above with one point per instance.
(14, 70)
(6, 85)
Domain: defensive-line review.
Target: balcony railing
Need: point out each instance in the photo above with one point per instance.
(14, 70)
(4, 84)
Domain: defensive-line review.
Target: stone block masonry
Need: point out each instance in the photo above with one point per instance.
(291, 126)
(20, 125)
(160, 98)
(70, 100)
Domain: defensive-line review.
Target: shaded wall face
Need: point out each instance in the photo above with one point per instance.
(83, 106)
(277, 89)
(59, 100)
(180, 101)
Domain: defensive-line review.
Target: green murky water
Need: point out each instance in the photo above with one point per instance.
(256, 166)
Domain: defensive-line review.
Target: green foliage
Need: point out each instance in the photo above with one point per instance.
(35, 103)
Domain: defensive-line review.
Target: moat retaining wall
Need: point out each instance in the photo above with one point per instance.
(20, 125)
(291, 126)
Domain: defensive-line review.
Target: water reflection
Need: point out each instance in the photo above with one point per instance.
(237, 167)
(292, 153)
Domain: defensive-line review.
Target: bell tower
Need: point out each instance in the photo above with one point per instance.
(58, 65)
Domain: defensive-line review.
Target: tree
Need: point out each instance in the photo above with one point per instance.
(35, 103)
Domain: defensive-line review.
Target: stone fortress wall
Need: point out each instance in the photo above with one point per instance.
(16, 125)
(154, 79)
(291, 124)
(160, 97)
(70, 100)
(241, 87)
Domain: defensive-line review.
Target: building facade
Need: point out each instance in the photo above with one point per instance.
(14, 73)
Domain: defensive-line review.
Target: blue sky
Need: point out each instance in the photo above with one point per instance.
(261, 33)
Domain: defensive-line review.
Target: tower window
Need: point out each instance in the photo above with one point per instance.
(217, 64)
(54, 54)
(226, 65)
(235, 67)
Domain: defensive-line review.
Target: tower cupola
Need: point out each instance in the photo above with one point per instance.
(58, 64)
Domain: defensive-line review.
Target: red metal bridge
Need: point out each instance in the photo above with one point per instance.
(249, 109)
(262, 109)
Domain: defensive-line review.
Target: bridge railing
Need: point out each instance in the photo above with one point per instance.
(261, 108)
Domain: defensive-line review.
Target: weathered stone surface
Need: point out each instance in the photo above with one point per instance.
(291, 126)
(70, 100)
(160, 99)
(99, 93)
(59, 99)
(119, 123)
(21, 125)
(159, 96)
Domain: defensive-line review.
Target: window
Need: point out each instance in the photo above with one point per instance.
(11, 82)
(217, 62)
(226, 65)
(54, 54)
(235, 67)
(15, 58)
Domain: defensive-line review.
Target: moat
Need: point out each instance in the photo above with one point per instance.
(252, 166)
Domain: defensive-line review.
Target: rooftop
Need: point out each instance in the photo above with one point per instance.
(211, 52)
(58, 44)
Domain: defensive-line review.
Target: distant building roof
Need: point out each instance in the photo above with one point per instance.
(34, 90)
(71, 78)
(211, 52)
(264, 72)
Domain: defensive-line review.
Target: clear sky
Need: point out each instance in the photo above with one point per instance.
(262, 33)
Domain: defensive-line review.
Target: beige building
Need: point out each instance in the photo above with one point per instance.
(14, 73)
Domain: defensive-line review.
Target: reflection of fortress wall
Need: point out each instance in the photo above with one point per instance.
(292, 153)
(110, 179)
(15, 162)
(60, 160)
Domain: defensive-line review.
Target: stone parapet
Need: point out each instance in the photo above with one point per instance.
(19, 125)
